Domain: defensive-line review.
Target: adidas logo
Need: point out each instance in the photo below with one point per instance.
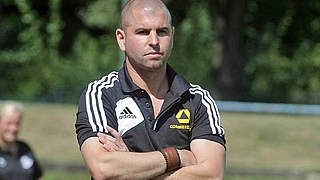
(127, 114)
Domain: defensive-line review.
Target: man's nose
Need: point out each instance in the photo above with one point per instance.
(153, 39)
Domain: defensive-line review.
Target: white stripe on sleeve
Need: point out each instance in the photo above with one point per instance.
(212, 110)
(94, 101)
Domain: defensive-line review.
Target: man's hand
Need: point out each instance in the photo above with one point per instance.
(114, 143)
(187, 158)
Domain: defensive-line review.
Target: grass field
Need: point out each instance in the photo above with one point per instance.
(62, 175)
(270, 141)
(58, 175)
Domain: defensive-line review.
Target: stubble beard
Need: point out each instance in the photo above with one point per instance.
(149, 65)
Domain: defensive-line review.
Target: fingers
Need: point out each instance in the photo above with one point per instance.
(113, 132)
(107, 146)
(110, 143)
(115, 146)
(186, 158)
(103, 138)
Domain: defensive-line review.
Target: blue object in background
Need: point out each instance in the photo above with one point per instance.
(268, 107)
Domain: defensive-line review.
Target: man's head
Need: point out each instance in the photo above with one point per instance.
(10, 119)
(146, 35)
(152, 5)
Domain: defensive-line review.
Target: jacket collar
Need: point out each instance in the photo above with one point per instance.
(177, 84)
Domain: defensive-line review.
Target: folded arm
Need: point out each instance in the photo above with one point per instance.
(206, 160)
(210, 164)
(120, 165)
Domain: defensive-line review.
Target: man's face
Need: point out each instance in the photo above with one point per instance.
(148, 38)
(9, 126)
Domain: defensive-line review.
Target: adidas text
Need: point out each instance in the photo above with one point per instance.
(128, 116)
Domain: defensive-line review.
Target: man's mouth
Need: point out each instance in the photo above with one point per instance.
(154, 54)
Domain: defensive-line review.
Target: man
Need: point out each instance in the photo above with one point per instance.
(159, 125)
(17, 161)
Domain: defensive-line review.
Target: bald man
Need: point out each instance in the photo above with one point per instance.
(145, 121)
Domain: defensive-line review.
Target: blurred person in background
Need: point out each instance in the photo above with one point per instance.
(159, 125)
(17, 161)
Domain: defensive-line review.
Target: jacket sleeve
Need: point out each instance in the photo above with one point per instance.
(207, 123)
(95, 112)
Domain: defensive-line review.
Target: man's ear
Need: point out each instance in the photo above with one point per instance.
(121, 39)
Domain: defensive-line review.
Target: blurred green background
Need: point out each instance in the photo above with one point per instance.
(252, 50)
(243, 50)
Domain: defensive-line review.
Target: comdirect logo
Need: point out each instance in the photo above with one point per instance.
(183, 117)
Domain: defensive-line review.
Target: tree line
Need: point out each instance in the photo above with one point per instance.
(252, 50)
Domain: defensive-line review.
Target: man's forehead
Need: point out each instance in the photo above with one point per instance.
(149, 21)
(139, 8)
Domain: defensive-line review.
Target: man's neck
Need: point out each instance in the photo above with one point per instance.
(154, 82)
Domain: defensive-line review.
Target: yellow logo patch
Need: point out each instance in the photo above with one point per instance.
(183, 116)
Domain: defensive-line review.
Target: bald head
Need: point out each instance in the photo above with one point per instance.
(151, 6)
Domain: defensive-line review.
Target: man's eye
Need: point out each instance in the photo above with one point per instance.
(143, 32)
(162, 32)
